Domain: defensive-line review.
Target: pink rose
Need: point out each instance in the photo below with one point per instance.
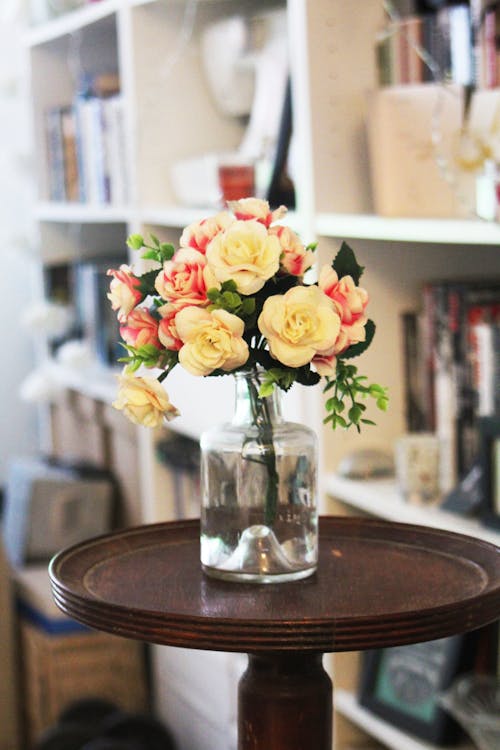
(141, 329)
(255, 208)
(350, 302)
(325, 364)
(186, 278)
(167, 331)
(200, 233)
(295, 258)
(124, 291)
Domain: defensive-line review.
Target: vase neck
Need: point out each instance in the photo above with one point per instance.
(250, 408)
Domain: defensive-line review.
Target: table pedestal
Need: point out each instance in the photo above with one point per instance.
(285, 703)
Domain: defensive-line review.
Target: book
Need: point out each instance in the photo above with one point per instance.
(97, 321)
(55, 154)
(70, 156)
(114, 149)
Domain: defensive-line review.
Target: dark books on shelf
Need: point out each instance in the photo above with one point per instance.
(452, 361)
(429, 47)
(97, 321)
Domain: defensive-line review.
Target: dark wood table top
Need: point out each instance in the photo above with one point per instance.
(378, 584)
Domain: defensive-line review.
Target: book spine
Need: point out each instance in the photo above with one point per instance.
(55, 155)
(445, 396)
(414, 31)
(489, 54)
(461, 45)
(114, 149)
(71, 178)
(83, 177)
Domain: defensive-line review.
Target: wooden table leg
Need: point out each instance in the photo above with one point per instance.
(285, 703)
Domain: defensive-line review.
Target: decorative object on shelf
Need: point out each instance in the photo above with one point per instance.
(474, 701)
(403, 684)
(233, 299)
(367, 463)
(417, 467)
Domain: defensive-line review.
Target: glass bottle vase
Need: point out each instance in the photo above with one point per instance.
(259, 518)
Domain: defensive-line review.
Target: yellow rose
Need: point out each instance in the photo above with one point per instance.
(299, 324)
(245, 253)
(144, 401)
(212, 340)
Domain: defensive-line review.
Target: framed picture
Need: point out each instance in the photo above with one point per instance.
(402, 686)
(489, 458)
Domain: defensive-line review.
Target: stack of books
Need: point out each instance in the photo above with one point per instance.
(431, 47)
(86, 154)
(452, 368)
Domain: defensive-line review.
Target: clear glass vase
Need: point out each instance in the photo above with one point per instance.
(259, 519)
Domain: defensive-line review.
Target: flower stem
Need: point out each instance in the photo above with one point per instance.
(263, 423)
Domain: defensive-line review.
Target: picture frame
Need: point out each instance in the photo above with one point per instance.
(489, 460)
(402, 686)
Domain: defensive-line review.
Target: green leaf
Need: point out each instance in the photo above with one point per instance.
(229, 286)
(165, 252)
(150, 255)
(147, 283)
(345, 264)
(356, 349)
(154, 239)
(248, 306)
(266, 389)
(306, 376)
(135, 241)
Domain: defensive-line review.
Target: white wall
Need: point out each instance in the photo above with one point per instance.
(17, 419)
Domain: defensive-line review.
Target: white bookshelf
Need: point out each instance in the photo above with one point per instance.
(347, 705)
(383, 499)
(169, 115)
(434, 231)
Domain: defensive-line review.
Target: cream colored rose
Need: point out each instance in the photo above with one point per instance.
(144, 401)
(246, 253)
(212, 340)
(299, 324)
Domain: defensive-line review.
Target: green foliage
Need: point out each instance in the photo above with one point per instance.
(158, 251)
(283, 377)
(346, 407)
(147, 283)
(148, 356)
(345, 264)
(227, 298)
(356, 349)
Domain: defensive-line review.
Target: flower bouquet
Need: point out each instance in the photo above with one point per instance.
(233, 299)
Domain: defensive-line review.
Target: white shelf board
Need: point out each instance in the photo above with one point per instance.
(381, 498)
(440, 231)
(347, 705)
(95, 381)
(70, 22)
(82, 213)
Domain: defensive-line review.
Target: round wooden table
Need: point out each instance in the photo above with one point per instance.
(378, 584)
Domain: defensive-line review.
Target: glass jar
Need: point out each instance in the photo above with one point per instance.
(259, 518)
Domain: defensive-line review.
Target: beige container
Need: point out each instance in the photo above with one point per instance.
(411, 174)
